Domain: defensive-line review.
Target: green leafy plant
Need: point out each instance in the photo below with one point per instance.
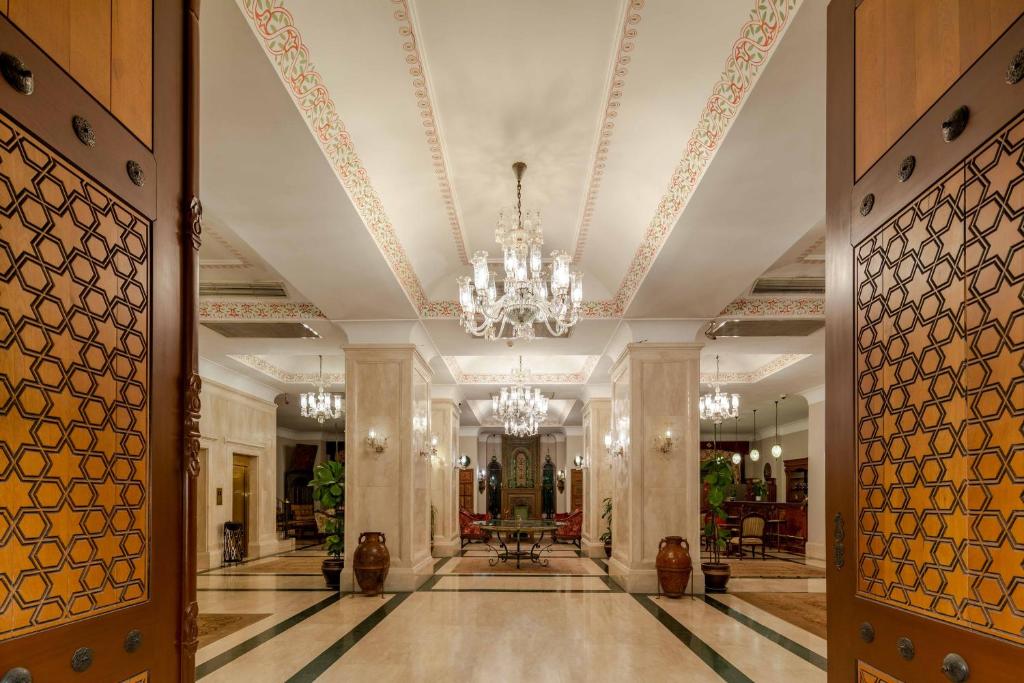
(718, 478)
(759, 488)
(606, 513)
(329, 490)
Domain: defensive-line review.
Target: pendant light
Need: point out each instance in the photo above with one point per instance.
(755, 454)
(777, 448)
(736, 457)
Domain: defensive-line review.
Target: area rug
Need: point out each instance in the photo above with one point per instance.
(213, 627)
(806, 610)
(479, 565)
(281, 565)
(773, 569)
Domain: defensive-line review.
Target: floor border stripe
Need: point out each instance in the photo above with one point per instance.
(796, 648)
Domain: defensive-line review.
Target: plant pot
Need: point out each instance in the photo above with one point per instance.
(716, 576)
(674, 566)
(331, 569)
(371, 562)
(608, 549)
(757, 498)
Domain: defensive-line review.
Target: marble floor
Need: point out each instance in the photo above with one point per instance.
(472, 623)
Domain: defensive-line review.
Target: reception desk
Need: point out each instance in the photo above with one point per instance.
(787, 522)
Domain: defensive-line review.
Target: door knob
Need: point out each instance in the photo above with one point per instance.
(955, 668)
(17, 675)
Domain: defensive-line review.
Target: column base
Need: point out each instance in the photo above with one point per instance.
(635, 580)
(400, 579)
(446, 547)
(815, 551)
(270, 546)
(593, 549)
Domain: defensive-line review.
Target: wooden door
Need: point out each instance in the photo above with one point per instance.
(466, 490)
(576, 489)
(925, 345)
(96, 503)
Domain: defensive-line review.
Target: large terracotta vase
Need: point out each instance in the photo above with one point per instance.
(371, 562)
(674, 566)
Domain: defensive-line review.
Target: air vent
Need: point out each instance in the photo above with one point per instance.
(263, 330)
(260, 289)
(789, 285)
(763, 328)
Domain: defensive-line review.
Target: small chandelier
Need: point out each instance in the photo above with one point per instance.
(522, 408)
(777, 447)
(718, 406)
(527, 297)
(755, 454)
(321, 405)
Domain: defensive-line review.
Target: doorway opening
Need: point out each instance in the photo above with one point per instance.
(243, 474)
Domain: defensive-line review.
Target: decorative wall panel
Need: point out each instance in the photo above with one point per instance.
(869, 674)
(940, 388)
(74, 382)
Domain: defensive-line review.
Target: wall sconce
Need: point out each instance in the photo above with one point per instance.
(432, 452)
(664, 442)
(561, 480)
(614, 445)
(481, 477)
(578, 461)
(462, 462)
(375, 442)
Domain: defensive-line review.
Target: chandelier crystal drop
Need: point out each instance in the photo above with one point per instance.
(520, 407)
(529, 293)
(320, 405)
(718, 406)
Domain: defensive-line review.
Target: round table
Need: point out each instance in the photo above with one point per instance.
(517, 528)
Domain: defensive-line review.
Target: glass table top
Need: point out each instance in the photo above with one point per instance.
(520, 524)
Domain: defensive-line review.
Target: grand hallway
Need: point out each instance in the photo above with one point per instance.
(272, 619)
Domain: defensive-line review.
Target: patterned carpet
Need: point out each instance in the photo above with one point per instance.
(282, 565)
(773, 569)
(213, 627)
(806, 610)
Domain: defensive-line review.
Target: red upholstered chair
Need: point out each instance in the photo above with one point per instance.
(572, 532)
(469, 531)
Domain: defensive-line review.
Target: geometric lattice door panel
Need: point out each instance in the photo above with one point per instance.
(939, 338)
(74, 382)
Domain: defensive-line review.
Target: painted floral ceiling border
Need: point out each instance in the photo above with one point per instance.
(580, 377)
(757, 374)
(776, 307)
(264, 366)
(620, 69)
(212, 310)
(284, 46)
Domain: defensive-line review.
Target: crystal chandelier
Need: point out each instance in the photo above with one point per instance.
(520, 407)
(321, 405)
(526, 296)
(718, 406)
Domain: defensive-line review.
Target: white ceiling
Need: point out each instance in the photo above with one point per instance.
(432, 102)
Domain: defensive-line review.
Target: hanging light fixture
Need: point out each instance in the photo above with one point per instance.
(320, 405)
(520, 407)
(777, 447)
(525, 298)
(736, 457)
(718, 406)
(755, 454)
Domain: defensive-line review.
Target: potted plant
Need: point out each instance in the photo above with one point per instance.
(718, 477)
(759, 488)
(329, 490)
(606, 536)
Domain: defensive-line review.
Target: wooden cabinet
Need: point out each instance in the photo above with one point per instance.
(796, 480)
(466, 490)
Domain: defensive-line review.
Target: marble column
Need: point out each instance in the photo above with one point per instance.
(444, 477)
(655, 387)
(816, 525)
(597, 473)
(388, 392)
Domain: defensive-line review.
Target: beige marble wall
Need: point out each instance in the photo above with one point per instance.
(233, 422)
(597, 472)
(816, 524)
(444, 482)
(388, 390)
(655, 386)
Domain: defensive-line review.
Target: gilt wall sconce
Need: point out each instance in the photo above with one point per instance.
(664, 442)
(375, 442)
(561, 481)
(481, 478)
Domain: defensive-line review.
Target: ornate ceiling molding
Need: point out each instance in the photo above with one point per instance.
(260, 364)
(421, 87)
(758, 36)
(275, 28)
(616, 85)
(756, 375)
(212, 309)
(580, 377)
(775, 307)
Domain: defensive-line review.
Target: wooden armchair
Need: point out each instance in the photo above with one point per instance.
(302, 522)
(572, 532)
(751, 535)
(469, 531)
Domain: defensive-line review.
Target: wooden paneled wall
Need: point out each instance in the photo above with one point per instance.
(106, 45)
(909, 52)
